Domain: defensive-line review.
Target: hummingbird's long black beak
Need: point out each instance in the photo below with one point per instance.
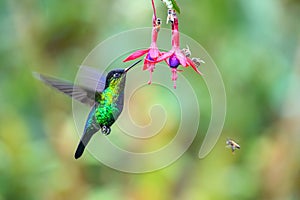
(128, 68)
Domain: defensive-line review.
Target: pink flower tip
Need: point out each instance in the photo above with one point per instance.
(136, 55)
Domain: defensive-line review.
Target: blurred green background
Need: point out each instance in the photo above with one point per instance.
(256, 45)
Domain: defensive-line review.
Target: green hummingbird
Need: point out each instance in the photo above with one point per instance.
(106, 103)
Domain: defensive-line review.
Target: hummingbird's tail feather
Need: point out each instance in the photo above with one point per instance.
(81, 146)
(84, 141)
(79, 150)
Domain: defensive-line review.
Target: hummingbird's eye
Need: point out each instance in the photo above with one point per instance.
(117, 75)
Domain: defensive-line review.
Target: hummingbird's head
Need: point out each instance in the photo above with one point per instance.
(116, 76)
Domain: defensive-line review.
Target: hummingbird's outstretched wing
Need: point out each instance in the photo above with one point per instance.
(91, 77)
(81, 94)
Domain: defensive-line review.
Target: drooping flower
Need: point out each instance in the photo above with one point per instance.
(152, 53)
(175, 56)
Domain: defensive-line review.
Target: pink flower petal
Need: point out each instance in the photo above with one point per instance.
(182, 59)
(135, 55)
(165, 56)
(175, 24)
(151, 67)
(167, 61)
(146, 64)
(175, 39)
(154, 35)
(154, 52)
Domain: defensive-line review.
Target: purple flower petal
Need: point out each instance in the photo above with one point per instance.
(173, 61)
(148, 57)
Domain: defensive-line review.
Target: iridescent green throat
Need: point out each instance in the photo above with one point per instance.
(110, 103)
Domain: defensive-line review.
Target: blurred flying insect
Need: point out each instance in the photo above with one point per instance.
(197, 61)
(187, 52)
(232, 144)
(106, 101)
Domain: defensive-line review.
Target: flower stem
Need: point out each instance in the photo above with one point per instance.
(154, 10)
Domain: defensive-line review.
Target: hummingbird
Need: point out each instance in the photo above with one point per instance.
(106, 103)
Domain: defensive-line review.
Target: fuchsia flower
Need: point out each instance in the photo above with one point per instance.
(152, 52)
(175, 57)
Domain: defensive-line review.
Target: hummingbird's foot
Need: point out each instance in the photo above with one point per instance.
(105, 130)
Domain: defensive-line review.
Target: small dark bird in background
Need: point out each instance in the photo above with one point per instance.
(106, 103)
